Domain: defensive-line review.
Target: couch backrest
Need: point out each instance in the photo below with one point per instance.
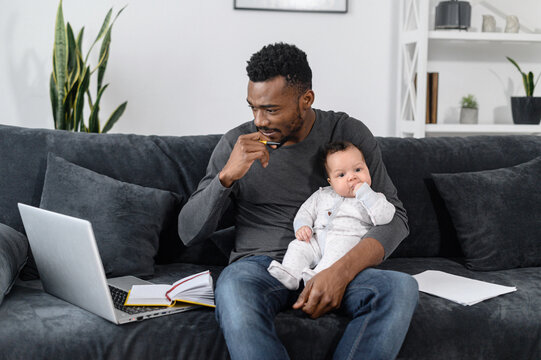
(410, 163)
(178, 163)
(163, 162)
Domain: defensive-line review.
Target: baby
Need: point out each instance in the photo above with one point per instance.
(333, 219)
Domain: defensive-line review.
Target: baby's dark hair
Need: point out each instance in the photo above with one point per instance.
(336, 146)
(281, 60)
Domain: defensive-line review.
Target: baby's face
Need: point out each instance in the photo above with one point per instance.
(346, 170)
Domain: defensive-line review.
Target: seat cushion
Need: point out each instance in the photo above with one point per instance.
(504, 327)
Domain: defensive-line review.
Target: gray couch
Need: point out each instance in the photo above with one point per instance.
(445, 214)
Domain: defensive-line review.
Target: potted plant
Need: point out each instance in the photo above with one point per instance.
(468, 111)
(526, 109)
(71, 75)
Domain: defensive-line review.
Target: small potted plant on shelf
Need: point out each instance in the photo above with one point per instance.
(469, 110)
(526, 109)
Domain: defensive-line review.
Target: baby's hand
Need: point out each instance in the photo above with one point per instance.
(304, 233)
(357, 187)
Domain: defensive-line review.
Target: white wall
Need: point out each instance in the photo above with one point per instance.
(181, 64)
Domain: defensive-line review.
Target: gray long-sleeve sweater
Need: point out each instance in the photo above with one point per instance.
(267, 199)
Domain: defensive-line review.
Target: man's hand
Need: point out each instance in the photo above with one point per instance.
(322, 293)
(247, 149)
(304, 233)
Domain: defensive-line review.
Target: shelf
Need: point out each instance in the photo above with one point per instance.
(483, 36)
(423, 50)
(477, 129)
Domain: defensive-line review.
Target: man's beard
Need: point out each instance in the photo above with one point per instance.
(292, 134)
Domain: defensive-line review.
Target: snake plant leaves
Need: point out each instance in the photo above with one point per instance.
(531, 85)
(114, 117)
(60, 54)
(80, 99)
(527, 79)
(71, 76)
(94, 121)
(104, 57)
(104, 50)
(53, 94)
(104, 27)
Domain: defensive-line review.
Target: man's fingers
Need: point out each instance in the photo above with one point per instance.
(301, 300)
(261, 155)
(313, 303)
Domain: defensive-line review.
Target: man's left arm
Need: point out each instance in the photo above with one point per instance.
(324, 292)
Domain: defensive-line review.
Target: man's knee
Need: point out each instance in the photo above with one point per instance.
(403, 289)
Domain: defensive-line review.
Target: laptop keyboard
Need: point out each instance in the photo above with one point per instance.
(119, 298)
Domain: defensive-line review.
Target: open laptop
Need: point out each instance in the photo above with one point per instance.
(70, 267)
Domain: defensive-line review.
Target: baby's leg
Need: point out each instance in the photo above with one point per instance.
(336, 246)
(299, 255)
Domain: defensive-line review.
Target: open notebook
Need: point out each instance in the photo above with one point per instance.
(194, 289)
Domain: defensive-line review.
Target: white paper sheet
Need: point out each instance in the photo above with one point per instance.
(459, 289)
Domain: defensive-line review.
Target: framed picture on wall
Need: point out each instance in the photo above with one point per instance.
(332, 6)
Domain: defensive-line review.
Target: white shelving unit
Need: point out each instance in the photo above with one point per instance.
(416, 40)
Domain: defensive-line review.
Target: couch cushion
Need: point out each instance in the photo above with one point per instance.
(58, 330)
(497, 215)
(504, 327)
(411, 163)
(13, 250)
(127, 219)
(163, 162)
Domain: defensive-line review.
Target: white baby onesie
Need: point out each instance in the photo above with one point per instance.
(337, 224)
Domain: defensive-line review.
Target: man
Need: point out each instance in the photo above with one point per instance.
(266, 185)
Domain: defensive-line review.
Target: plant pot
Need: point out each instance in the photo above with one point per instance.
(468, 115)
(526, 109)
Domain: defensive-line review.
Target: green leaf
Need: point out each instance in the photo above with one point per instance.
(54, 97)
(80, 99)
(80, 39)
(531, 84)
(72, 53)
(73, 62)
(93, 120)
(104, 57)
(114, 117)
(525, 83)
(69, 108)
(514, 63)
(60, 54)
(104, 27)
(104, 51)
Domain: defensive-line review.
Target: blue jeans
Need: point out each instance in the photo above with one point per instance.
(380, 303)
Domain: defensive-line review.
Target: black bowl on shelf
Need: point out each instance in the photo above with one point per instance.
(453, 15)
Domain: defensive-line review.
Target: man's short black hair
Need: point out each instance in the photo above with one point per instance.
(281, 60)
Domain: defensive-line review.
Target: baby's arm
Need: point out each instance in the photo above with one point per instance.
(304, 220)
(379, 209)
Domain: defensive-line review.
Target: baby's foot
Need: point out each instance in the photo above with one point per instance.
(284, 275)
(307, 274)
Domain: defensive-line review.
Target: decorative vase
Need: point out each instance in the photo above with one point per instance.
(489, 23)
(468, 115)
(526, 109)
(512, 25)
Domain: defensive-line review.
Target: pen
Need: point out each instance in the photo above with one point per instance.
(269, 142)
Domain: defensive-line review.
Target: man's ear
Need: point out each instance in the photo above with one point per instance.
(307, 99)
